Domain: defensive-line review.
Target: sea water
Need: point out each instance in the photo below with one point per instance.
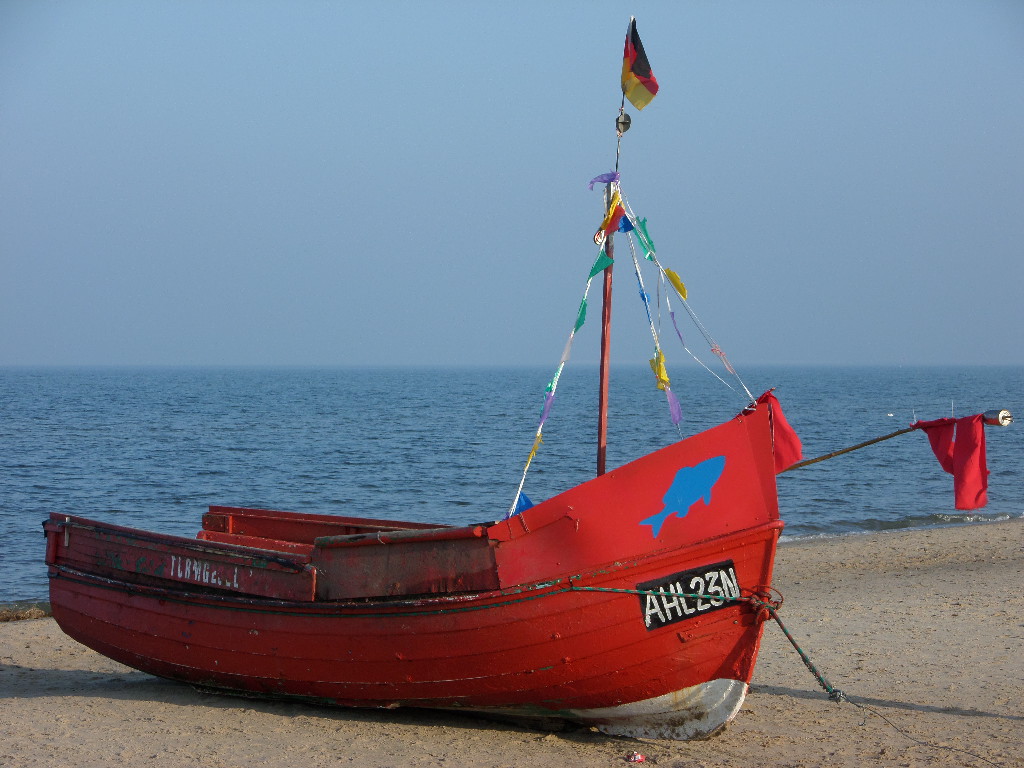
(152, 448)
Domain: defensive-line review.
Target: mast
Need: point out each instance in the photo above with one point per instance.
(606, 340)
(639, 86)
(621, 126)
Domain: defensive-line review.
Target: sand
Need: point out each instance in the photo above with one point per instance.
(923, 628)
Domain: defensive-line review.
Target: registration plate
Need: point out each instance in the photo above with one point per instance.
(688, 594)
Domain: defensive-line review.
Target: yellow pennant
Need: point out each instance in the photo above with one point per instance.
(533, 451)
(676, 282)
(660, 372)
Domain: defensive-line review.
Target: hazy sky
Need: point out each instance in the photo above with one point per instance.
(336, 183)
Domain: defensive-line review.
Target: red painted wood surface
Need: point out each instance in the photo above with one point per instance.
(138, 557)
(295, 526)
(414, 562)
(550, 647)
(516, 614)
(599, 521)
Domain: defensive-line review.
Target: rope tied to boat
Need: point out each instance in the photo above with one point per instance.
(766, 601)
(770, 608)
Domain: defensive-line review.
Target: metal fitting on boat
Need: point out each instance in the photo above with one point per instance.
(998, 418)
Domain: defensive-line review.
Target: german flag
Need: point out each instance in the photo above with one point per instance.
(638, 83)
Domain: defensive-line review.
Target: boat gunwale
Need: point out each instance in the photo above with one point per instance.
(440, 533)
(261, 513)
(290, 561)
(403, 606)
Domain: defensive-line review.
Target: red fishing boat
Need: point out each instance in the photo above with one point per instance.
(617, 603)
(630, 602)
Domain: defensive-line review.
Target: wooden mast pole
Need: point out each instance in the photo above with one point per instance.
(621, 126)
(606, 340)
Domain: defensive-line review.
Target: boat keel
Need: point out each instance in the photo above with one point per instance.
(697, 712)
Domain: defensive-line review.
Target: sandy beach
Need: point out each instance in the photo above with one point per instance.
(922, 628)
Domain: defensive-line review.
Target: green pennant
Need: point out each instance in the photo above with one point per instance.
(554, 379)
(645, 240)
(602, 263)
(582, 316)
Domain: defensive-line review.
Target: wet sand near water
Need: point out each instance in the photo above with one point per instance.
(924, 628)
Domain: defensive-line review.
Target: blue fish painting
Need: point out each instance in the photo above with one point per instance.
(690, 485)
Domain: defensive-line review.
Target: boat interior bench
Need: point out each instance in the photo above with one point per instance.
(361, 557)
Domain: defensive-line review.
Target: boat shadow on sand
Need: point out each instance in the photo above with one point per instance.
(881, 704)
(21, 682)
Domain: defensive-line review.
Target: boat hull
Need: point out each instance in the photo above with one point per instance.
(574, 648)
(593, 606)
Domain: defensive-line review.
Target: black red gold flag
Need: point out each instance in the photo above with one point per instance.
(638, 82)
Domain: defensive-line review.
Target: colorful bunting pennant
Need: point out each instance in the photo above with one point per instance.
(675, 410)
(660, 372)
(675, 325)
(645, 239)
(676, 282)
(611, 218)
(601, 264)
(523, 503)
(581, 316)
(604, 178)
(533, 451)
(725, 360)
(549, 399)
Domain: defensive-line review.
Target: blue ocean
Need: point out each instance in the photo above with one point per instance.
(153, 447)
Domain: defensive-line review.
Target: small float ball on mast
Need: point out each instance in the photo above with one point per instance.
(622, 123)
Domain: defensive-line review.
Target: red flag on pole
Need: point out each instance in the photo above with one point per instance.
(785, 441)
(959, 445)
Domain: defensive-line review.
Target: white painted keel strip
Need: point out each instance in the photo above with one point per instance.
(692, 713)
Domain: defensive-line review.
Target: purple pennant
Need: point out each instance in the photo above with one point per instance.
(549, 398)
(674, 325)
(673, 406)
(604, 178)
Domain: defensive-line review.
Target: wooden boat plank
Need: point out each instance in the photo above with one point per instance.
(433, 565)
(551, 681)
(141, 558)
(298, 527)
(255, 542)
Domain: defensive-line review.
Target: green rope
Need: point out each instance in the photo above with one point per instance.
(833, 693)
